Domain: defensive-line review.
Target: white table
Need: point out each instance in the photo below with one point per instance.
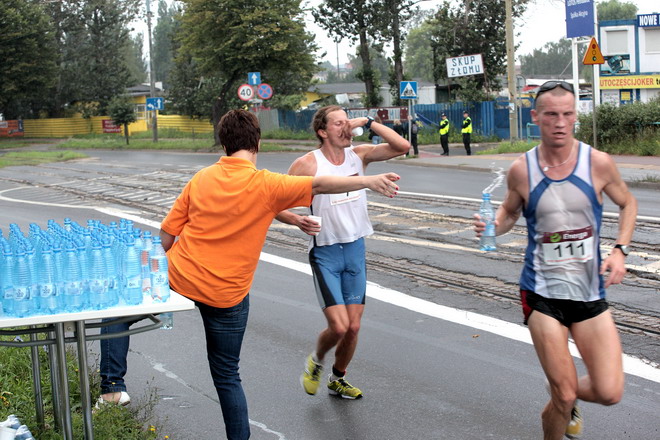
(55, 328)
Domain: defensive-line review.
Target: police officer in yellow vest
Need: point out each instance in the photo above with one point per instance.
(467, 131)
(444, 134)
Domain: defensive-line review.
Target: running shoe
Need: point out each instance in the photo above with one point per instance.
(574, 428)
(342, 388)
(311, 377)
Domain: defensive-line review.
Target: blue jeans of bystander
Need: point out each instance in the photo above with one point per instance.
(224, 330)
(114, 353)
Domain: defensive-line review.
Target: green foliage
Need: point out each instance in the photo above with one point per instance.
(509, 147)
(16, 397)
(16, 158)
(286, 133)
(419, 53)
(27, 59)
(93, 37)
(136, 65)
(228, 39)
(122, 112)
(628, 129)
(354, 20)
(475, 27)
(616, 10)
(163, 41)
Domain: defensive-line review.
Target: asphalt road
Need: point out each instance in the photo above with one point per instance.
(434, 362)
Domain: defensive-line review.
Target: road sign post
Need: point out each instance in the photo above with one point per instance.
(408, 90)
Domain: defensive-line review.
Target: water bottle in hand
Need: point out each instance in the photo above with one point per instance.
(487, 242)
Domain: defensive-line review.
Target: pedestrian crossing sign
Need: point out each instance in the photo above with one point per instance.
(408, 90)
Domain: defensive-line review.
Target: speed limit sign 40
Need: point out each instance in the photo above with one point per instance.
(245, 92)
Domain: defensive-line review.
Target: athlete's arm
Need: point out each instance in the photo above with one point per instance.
(606, 174)
(393, 145)
(303, 166)
(167, 240)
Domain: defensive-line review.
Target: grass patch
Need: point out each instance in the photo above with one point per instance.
(286, 133)
(509, 147)
(15, 158)
(14, 143)
(118, 143)
(111, 422)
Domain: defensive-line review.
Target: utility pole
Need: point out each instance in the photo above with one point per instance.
(511, 72)
(152, 85)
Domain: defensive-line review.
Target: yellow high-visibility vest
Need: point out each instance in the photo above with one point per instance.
(467, 125)
(444, 127)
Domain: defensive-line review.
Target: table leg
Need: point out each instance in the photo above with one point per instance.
(65, 405)
(84, 380)
(36, 381)
(54, 383)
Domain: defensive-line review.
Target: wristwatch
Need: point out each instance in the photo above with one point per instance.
(625, 249)
(369, 121)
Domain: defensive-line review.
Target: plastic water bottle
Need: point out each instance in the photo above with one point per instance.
(72, 279)
(111, 271)
(160, 283)
(98, 279)
(22, 279)
(6, 277)
(487, 242)
(132, 274)
(145, 254)
(48, 282)
(167, 320)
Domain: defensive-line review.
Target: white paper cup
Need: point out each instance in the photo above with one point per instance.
(7, 433)
(317, 219)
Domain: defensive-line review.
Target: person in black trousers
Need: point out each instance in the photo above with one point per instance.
(444, 134)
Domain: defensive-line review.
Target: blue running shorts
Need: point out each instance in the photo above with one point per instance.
(340, 273)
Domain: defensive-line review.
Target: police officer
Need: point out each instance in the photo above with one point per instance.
(444, 134)
(467, 131)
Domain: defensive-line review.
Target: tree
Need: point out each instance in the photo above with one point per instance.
(419, 53)
(163, 43)
(229, 38)
(28, 67)
(616, 10)
(473, 27)
(553, 58)
(354, 19)
(122, 111)
(137, 67)
(93, 36)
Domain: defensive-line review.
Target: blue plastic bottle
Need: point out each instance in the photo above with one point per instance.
(111, 271)
(83, 259)
(160, 284)
(48, 282)
(22, 279)
(98, 280)
(487, 241)
(6, 283)
(132, 274)
(72, 279)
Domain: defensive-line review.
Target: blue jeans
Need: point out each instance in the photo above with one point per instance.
(114, 353)
(224, 330)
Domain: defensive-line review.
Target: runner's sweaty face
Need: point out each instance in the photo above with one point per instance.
(337, 130)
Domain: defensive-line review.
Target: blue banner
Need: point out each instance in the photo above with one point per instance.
(579, 18)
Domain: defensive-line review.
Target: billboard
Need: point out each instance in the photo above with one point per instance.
(12, 128)
(615, 65)
(110, 127)
(465, 65)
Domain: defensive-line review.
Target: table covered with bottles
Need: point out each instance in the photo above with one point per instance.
(62, 284)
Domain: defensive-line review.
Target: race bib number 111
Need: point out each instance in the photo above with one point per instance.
(568, 246)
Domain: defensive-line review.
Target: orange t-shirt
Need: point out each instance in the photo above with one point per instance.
(222, 217)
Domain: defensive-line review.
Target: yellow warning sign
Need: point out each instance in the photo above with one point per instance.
(593, 55)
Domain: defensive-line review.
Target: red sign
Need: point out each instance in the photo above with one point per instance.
(245, 92)
(264, 91)
(110, 127)
(11, 128)
(386, 114)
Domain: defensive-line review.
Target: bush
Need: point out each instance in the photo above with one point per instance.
(628, 129)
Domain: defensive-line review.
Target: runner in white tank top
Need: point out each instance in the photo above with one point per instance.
(338, 258)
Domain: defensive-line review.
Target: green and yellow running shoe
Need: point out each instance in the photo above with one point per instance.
(344, 389)
(311, 377)
(574, 428)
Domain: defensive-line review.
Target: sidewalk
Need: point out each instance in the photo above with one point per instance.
(636, 170)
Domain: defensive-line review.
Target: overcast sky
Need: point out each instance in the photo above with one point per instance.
(544, 21)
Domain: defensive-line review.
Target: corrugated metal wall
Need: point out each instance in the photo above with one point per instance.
(65, 127)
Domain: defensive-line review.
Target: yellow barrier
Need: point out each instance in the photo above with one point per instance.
(66, 127)
(185, 123)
